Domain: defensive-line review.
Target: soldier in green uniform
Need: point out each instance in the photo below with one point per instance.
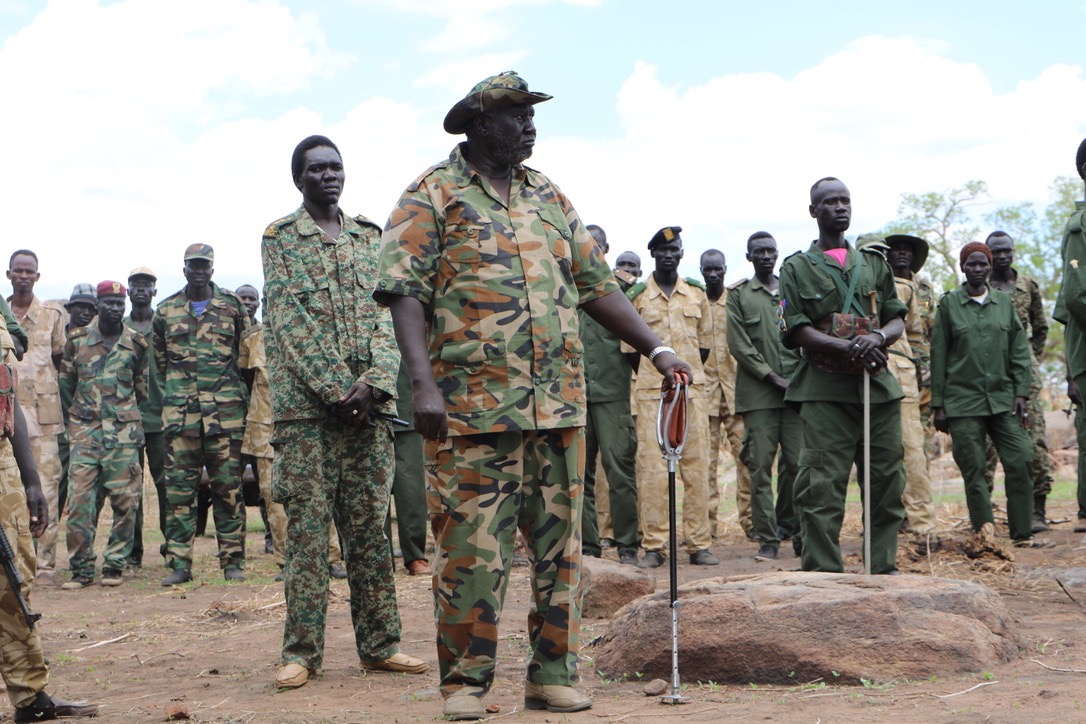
(828, 279)
(196, 336)
(409, 486)
(980, 377)
(331, 361)
(104, 374)
(765, 367)
(1029, 306)
(24, 515)
(484, 264)
(141, 293)
(1071, 311)
(609, 434)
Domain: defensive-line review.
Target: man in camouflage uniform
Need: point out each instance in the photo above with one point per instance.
(828, 279)
(609, 434)
(196, 336)
(484, 264)
(909, 356)
(332, 363)
(104, 373)
(1071, 311)
(764, 368)
(141, 292)
(1031, 313)
(720, 373)
(677, 311)
(256, 444)
(23, 515)
(39, 393)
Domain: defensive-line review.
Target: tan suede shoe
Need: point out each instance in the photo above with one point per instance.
(553, 697)
(400, 663)
(465, 704)
(292, 676)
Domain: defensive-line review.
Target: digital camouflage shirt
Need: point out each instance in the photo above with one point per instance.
(325, 330)
(106, 386)
(500, 285)
(197, 359)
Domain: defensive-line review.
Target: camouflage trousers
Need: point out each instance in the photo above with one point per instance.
(729, 427)
(1041, 469)
(117, 474)
(481, 489)
(185, 457)
(277, 517)
(652, 480)
(47, 455)
(21, 661)
(322, 472)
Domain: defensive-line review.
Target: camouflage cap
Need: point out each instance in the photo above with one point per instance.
(497, 91)
(665, 235)
(141, 271)
(200, 251)
(111, 289)
(920, 249)
(82, 294)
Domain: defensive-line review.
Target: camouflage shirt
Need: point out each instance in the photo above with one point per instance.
(151, 408)
(39, 395)
(1030, 308)
(326, 331)
(197, 359)
(106, 386)
(258, 422)
(500, 285)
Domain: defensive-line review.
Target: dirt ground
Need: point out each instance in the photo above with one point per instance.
(213, 648)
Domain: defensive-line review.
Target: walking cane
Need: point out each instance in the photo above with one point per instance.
(671, 426)
(867, 458)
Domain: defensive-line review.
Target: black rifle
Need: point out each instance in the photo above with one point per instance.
(7, 560)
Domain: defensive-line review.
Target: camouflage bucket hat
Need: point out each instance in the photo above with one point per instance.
(920, 249)
(504, 89)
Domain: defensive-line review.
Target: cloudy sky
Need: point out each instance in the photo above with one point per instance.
(136, 127)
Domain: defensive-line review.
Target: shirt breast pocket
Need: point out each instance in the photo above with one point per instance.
(470, 238)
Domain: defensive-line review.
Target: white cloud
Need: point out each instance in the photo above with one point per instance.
(739, 152)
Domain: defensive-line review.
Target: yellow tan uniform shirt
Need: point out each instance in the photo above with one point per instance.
(901, 364)
(39, 394)
(258, 420)
(720, 368)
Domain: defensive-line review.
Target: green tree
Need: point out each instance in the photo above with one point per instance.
(945, 220)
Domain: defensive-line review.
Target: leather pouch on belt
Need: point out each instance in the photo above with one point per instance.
(843, 326)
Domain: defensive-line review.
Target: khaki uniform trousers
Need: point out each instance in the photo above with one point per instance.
(21, 661)
(652, 479)
(734, 431)
(47, 454)
(919, 508)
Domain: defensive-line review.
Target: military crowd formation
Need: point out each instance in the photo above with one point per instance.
(478, 361)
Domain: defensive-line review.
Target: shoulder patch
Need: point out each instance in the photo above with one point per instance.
(635, 291)
(736, 285)
(695, 283)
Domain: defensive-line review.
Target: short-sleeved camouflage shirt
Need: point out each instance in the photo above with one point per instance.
(500, 285)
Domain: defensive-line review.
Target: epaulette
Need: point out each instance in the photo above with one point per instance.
(794, 253)
(874, 249)
(251, 330)
(80, 332)
(737, 284)
(363, 221)
(138, 339)
(175, 295)
(695, 283)
(285, 221)
(414, 185)
(635, 291)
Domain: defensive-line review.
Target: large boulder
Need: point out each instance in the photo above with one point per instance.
(609, 586)
(796, 627)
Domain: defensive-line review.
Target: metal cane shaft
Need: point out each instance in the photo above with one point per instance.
(867, 473)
